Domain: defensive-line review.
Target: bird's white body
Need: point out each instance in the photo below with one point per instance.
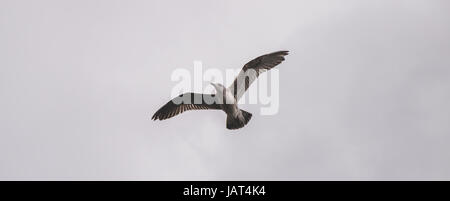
(229, 97)
(236, 118)
(227, 100)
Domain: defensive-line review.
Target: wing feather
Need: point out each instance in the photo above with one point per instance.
(253, 69)
(185, 102)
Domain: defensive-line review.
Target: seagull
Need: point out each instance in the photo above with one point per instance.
(224, 99)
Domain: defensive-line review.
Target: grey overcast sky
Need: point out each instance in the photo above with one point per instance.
(364, 94)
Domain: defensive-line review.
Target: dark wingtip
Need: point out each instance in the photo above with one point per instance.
(280, 53)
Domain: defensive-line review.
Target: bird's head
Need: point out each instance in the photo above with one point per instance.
(218, 87)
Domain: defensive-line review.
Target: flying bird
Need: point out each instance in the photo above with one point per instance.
(224, 99)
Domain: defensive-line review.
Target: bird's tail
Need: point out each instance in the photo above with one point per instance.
(240, 121)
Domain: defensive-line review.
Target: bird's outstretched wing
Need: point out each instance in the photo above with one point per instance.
(184, 102)
(253, 69)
